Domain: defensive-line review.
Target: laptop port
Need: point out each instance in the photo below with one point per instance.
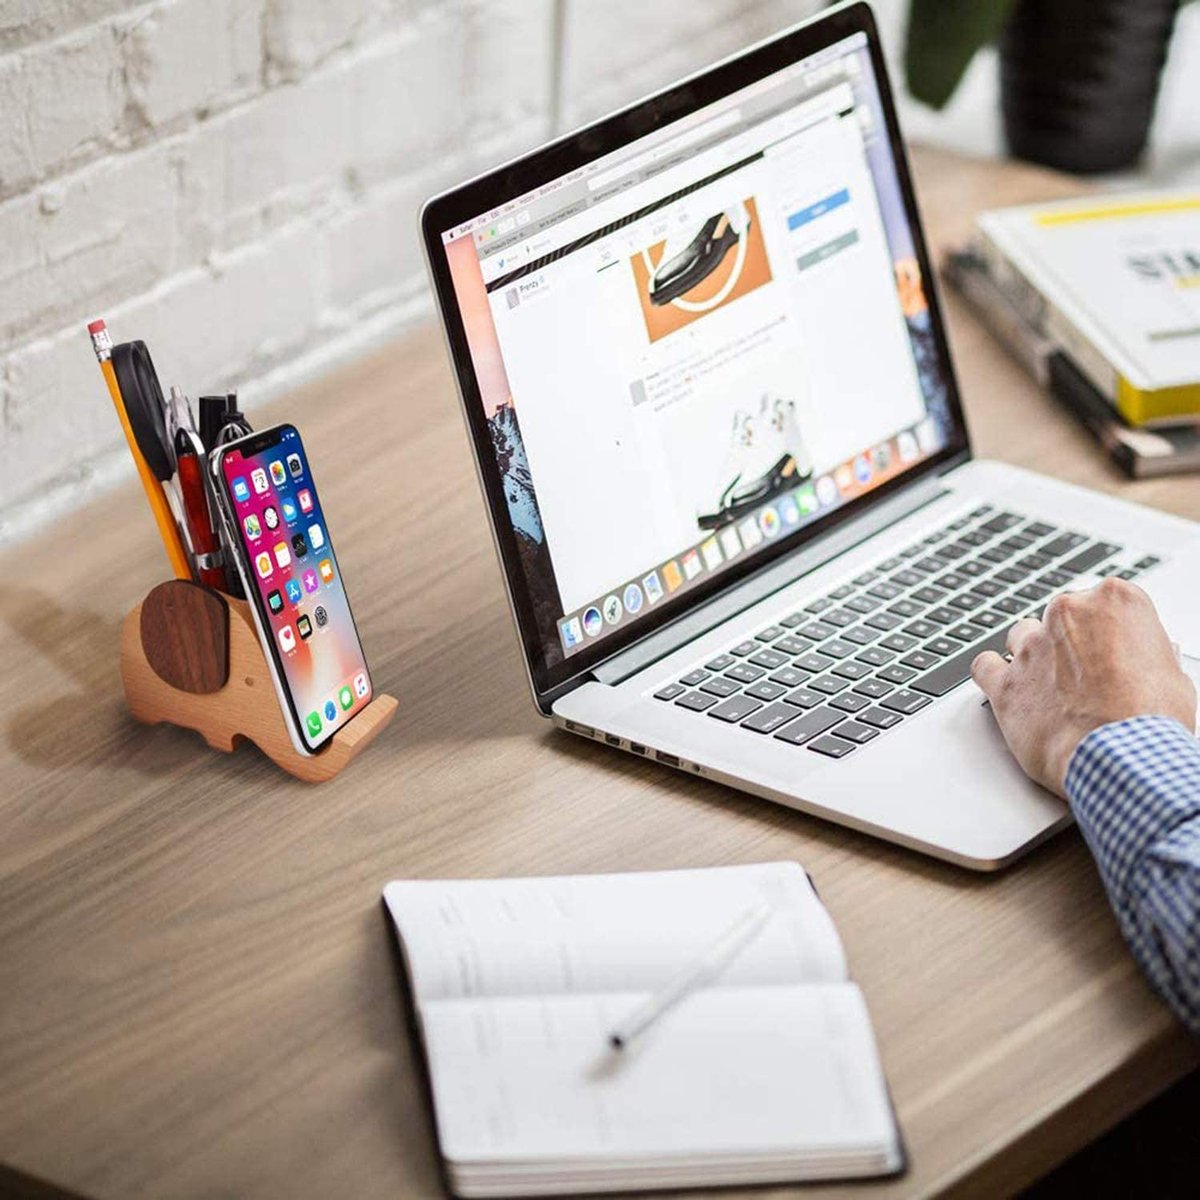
(672, 760)
(612, 739)
(636, 749)
(586, 730)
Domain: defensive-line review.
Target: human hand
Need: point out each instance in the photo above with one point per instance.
(1095, 657)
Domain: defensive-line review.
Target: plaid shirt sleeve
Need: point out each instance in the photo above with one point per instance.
(1135, 789)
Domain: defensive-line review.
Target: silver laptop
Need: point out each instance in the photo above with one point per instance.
(706, 381)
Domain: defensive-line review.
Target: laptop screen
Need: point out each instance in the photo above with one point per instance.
(700, 347)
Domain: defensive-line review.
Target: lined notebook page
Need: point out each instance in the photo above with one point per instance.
(748, 1074)
(608, 933)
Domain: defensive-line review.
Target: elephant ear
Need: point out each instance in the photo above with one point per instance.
(943, 36)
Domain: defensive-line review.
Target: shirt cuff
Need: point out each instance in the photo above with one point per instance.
(1129, 784)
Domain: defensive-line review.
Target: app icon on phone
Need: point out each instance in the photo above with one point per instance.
(275, 601)
(320, 616)
(262, 564)
(360, 685)
(325, 566)
(305, 498)
(330, 711)
(287, 639)
(310, 580)
(295, 466)
(271, 517)
(282, 555)
(289, 511)
(259, 478)
(278, 474)
(252, 527)
(292, 588)
(299, 545)
(304, 627)
(316, 539)
(313, 721)
(241, 490)
(345, 698)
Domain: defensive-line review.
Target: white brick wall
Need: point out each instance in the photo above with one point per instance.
(237, 181)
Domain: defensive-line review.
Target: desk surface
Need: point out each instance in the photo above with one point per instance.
(197, 991)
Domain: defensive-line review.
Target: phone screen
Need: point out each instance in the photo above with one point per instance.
(296, 582)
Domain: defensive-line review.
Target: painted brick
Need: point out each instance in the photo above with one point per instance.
(24, 22)
(298, 34)
(17, 167)
(74, 96)
(191, 56)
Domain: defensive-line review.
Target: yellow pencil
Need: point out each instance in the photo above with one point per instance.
(167, 529)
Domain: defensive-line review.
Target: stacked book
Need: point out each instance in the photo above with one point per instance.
(1100, 300)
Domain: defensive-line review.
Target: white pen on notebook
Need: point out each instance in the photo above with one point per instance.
(717, 956)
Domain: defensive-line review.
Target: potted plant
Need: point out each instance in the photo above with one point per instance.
(1078, 78)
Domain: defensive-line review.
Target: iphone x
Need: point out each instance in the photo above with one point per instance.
(276, 526)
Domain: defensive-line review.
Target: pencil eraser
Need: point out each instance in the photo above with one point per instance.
(96, 327)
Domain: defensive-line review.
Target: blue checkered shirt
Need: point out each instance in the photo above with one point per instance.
(1135, 789)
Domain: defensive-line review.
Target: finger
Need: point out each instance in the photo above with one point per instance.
(988, 671)
(1021, 632)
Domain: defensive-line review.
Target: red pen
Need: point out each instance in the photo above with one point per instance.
(205, 548)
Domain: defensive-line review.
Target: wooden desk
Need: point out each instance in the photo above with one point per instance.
(198, 996)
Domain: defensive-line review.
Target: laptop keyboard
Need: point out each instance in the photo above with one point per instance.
(866, 656)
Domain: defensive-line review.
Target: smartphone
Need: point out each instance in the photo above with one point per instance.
(275, 527)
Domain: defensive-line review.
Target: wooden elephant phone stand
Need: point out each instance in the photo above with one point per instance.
(190, 656)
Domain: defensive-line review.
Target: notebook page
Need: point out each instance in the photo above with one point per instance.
(596, 933)
(731, 1073)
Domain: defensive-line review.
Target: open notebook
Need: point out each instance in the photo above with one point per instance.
(767, 1073)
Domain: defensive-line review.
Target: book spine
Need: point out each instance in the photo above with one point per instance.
(1046, 317)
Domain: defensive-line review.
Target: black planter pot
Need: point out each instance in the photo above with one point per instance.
(1079, 79)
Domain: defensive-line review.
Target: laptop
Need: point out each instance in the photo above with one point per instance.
(706, 380)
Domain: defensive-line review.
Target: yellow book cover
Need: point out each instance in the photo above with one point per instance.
(1115, 280)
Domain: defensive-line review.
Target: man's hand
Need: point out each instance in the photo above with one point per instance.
(1096, 657)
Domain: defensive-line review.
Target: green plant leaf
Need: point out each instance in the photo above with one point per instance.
(943, 36)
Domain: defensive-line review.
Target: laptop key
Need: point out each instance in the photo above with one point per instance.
(856, 731)
(1033, 591)
(920, 629)
(975, 538)
(813, 662)
(899, 642)
(735, 709)
(720, 687)
(929, 595)
(941, 646)
(829, 685)
(861, 635)
(905, 608)
(769, 634)
(866, 577)
(769, 659)
(830, 746)
(721, 662)
(839, 648)
(1054, 579)
(810, 725)
(881, 718)
(818, 631)
(764, 689)
(897, 674)
(1013, 574)
(942, 615)
(964, 633)
(745, 673)
(988, 587)
(815, 606)
(696, 701)
(769, 719)
(1001, 521)
(1039, 529)
(953, 671)
(1034, 562)
(840, 593)
(1144, 564)
(793, 645)
(919, 660)
(840, 617)
(744, 648)
(791, 677)
(907, 578)
(849, 702)
(874, 688)
(990, 619)
(671, 692)
(931, 566)
(968, 601)
(1091, 557)
(875, 657)
(863, 604)
(694, 677)
(792, 620)
(974, 568)
(883, 621)
(852, 670)
(885, 590)
(803, 697)
(903, 701)
(889, 564)
(952, 581)
(1012, 605)
(953, 551)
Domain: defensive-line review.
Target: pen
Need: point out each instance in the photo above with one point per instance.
(722, 952)
(205, 549)
(155, 494)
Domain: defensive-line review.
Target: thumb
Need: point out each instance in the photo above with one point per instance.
(988, 670)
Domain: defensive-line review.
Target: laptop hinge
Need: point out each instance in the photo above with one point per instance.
(808, 558)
